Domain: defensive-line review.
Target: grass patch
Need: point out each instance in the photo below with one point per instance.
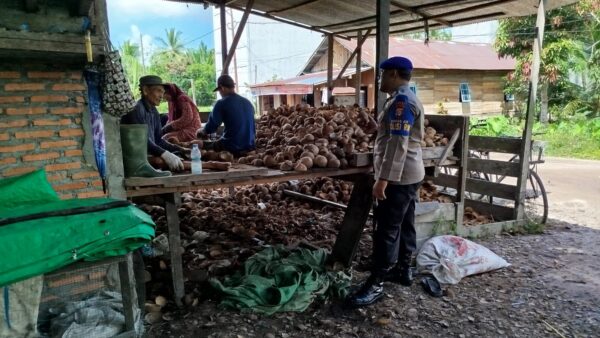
(533, 228)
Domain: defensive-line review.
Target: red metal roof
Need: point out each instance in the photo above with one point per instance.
(437, 54)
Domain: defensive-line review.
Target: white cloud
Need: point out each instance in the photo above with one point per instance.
(159, 8)
(146, 39)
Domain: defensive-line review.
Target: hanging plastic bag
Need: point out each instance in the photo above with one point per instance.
(451, 258)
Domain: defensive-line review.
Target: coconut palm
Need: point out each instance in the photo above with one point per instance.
(173, 43)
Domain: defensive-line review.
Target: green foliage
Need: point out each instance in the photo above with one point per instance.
(176, 64)
(576, 137)
(434, 34)
(571, 47)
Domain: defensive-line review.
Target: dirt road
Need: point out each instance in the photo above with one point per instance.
(573, 190)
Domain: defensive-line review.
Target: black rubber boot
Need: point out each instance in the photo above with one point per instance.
(401, 273)
(134, 143)
(370, 292)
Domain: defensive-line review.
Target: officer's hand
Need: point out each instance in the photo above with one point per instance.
(379, 189)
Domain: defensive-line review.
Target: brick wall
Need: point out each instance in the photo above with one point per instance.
(42, 111)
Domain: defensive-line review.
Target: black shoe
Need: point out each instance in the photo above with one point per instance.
(400, 275)
(370, 292)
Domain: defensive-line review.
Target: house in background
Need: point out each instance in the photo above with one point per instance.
(467, 78)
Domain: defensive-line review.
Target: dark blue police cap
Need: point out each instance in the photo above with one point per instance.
(397, 62)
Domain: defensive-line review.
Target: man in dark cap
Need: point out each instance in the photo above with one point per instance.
(144, 112)
(399, 171)
(237, 114)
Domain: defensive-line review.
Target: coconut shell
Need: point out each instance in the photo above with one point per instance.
(258, 163)
(286, 166)
(307, 161)
(333, 163)
(308, 138)
(270, 161)
(300, 167)
(320, 161)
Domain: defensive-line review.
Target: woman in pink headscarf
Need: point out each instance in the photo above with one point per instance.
(184, 119)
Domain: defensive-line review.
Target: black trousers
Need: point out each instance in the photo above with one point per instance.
(395, 235)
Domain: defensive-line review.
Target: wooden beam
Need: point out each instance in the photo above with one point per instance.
(495, 144)
(494, 167)
(358, 73)
(236, 38)
(354, 221)
(447, 151)
(354, 53)
(498, 212)
(330, 42)
(437, 16)
(418, 12)
(172, 202)
(304, 3)
(538, 43)
(128, 291)
(223, 28)
(382, 48)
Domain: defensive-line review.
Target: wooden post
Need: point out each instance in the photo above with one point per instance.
(354, 221)
(462, 174)
(238, 35)
(329, 68)
(359, 42)
(533, 84)
(223, 37)
(358, 74)
(128, 292)
(172, 202)
(382, 50)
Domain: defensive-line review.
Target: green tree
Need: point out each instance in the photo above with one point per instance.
(130, 54)
(571, 32)
(443, 34)
(172, 42)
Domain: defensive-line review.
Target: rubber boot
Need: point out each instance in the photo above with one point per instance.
(134, 143)
(369, 292)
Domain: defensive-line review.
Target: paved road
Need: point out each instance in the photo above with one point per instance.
(573, 190)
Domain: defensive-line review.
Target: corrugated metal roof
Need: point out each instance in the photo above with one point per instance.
(437, 54)
(346, 17)
(312, 79)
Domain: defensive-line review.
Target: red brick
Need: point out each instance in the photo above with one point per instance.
(76, 76)
(65, 196)
(4, 137)
(26, 111)
(71, 132)
(67, 110)
(79, 99)
(10, 75)
(9, 160)
(45, 75)
(19, 147)
(58, 144)
(12, 99)
(34, 134)
(13, 87)
(40, 157)
(78, 120)
(69, 87)
(48, 122)
(14, 124)
(66, 280)
(74, 152)
(97, 183)
(88, 288)
(18, 171)
(86, 174)
(63, 166)
(49, 298)
(97, 275)
(71, 186)
(57, 177)
(50, 98)
(90, 194)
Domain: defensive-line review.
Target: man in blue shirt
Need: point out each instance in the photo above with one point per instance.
(237, 113)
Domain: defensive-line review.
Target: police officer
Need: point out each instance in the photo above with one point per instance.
(399, 171)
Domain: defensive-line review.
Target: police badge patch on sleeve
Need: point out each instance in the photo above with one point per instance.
(400, 116)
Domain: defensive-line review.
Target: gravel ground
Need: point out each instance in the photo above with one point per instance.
(551, 289)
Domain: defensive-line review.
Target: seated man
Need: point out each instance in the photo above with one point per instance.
(237, 113)
(144, 112)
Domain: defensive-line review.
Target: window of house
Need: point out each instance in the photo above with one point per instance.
(465, 92)
(413, 87)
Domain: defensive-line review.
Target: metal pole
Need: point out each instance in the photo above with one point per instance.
(329, 68)
(533, 84)
(358, 75)
(382, 41)
(142, 53)
(223, 38)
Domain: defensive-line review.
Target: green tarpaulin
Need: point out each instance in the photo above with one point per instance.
(34, 247)
(279, 280)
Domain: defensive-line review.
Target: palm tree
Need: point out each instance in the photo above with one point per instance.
(202, 55)
(173, 43)
(130, 48)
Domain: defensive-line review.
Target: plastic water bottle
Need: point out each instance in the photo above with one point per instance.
(196, 160)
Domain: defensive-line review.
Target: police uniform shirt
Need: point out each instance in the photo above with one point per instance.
(398, 157)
